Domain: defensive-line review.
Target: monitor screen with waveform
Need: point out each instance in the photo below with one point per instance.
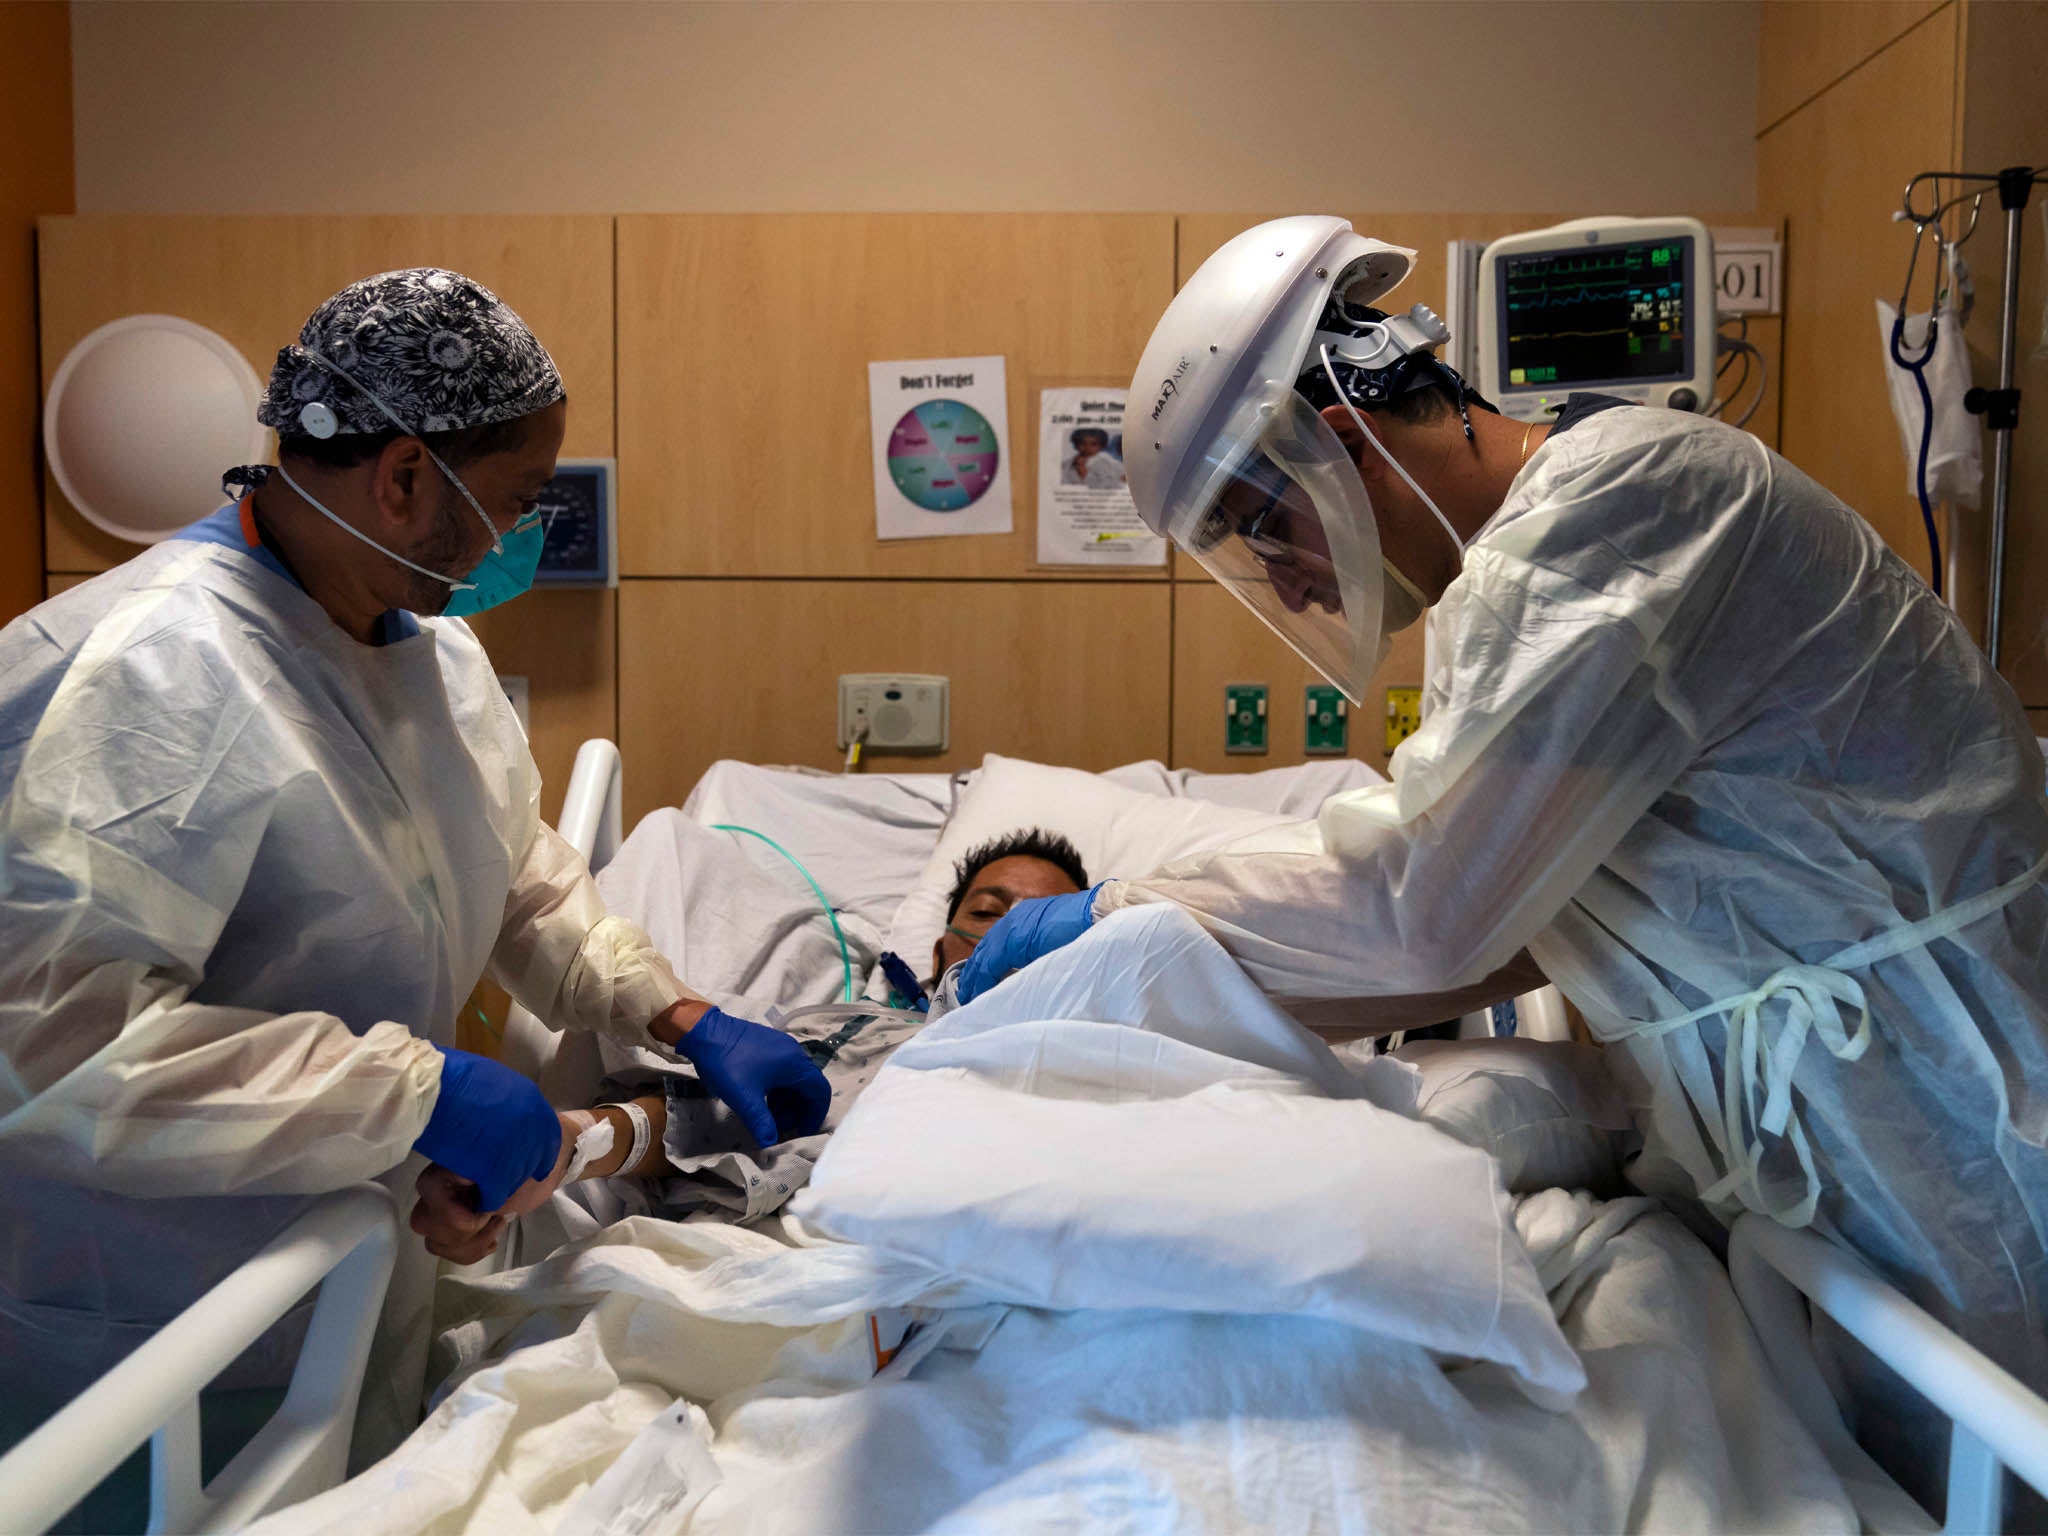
(1595, 315)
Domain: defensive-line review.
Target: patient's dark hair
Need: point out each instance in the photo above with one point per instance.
(1033, 843)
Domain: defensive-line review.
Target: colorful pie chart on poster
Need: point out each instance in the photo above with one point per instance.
(943, 455)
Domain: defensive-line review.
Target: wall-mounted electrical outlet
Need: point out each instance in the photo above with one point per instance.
(1404, 714)
(1244, 717)
(903, 711)
(1326, 731)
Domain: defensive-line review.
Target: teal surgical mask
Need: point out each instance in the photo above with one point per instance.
(504, 572)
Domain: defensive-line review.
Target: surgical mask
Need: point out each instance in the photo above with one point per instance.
(504, 572)
(1400, 605)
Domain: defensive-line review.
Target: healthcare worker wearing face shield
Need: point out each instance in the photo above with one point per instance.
(264, 822)
(1695, 740)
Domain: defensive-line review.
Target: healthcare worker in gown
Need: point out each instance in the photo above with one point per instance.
(1695, 740)
(265, 818)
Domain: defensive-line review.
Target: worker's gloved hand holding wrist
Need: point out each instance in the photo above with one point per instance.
(490, 1126)
(768, 1079)
(1028, 931)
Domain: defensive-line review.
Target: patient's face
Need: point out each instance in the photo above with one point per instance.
(993, 891)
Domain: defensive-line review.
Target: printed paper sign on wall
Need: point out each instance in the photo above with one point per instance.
(1085, 513)
(941, 446)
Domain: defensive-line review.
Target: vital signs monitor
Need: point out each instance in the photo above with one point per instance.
(1619, 306)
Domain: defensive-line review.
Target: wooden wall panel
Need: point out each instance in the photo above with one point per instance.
(1218, 641)
(35, 179)
(255, 280)
(1065, 672)
(1837, 167)
(1806, 45)
(743, 398)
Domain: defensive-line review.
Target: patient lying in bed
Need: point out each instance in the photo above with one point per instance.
(695, 1159)
(993, 878)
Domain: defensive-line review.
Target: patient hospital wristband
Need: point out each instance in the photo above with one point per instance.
(594, 1138)
(643, 1133)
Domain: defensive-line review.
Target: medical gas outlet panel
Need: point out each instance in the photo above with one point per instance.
(1611, 306)
(895, 711)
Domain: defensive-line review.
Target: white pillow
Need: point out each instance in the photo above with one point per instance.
(1119, 832)
(1298, 791)
(1545, 1109)
(863, 837)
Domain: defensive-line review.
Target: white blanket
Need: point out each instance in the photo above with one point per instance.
(1118, 1421)
(1132, 1125)
(1186, 1406)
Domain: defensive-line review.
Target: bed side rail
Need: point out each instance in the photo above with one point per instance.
(592, 823)
(345, 1243)
(1997, 1422)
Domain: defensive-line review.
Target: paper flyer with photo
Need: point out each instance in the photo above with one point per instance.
(941, 445)
(1085, 514)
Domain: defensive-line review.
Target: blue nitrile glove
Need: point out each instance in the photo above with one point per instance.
(491, 1126)
(1027, 932)
(769, 1080)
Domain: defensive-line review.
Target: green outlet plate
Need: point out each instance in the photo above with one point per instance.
(1404, 714)
(1244, 717)
(1325, 710)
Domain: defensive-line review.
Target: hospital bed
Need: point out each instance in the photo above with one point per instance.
(344, 1244)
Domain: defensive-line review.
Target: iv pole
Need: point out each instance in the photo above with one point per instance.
(1999, 407)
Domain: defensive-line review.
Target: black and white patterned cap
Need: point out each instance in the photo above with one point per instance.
(440, 350)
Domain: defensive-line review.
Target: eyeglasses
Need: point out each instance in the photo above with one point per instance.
(1261, 530)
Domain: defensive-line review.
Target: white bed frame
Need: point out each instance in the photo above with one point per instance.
(348, 1237)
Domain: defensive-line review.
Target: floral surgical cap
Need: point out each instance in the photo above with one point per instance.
(439, 349)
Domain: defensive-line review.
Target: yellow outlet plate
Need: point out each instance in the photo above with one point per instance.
(1404, 714)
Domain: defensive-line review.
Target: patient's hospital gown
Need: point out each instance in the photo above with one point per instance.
(249, 871)
(1692, 734)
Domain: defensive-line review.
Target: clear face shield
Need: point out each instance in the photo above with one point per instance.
(1278, 515)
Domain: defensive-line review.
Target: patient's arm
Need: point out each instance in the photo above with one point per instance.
(653, 1162)
(1353, 1018)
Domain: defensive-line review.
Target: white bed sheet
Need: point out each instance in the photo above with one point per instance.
(863, 836)
(1003, 1418)
(1113, 1421)
(732, 916)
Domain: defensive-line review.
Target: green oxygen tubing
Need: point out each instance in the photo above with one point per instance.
(832, 917)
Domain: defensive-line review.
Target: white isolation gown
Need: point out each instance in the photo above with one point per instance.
(249, 869)
(1696, 737)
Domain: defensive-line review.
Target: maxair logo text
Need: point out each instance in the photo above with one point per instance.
(1170, 388)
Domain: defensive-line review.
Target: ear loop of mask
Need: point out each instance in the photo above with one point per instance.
(349, 528)
(497, 539)
(1373, 437)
